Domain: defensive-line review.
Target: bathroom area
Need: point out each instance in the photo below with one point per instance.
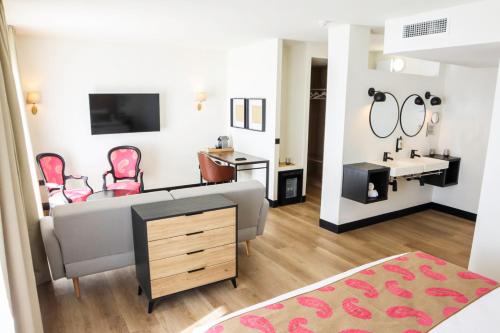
(414, 132)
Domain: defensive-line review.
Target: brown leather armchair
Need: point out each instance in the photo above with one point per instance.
(212, 172)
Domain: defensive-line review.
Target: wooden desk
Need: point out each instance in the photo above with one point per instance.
(244, 165)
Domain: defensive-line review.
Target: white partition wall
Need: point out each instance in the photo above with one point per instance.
(485, 256)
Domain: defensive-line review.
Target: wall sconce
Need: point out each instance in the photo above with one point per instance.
(378, 96)
(397, 65)
(434, 99)
(33, 98)
(419, 101)
(200, 98)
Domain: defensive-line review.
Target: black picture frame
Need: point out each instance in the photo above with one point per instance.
(263, 116)
(232, 104)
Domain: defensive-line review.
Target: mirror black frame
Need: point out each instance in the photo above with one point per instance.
(397, 121)
(401, 115)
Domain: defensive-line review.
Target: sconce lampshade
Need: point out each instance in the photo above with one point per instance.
(201, 96)
(33, 97)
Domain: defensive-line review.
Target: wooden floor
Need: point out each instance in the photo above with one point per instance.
(292, 253)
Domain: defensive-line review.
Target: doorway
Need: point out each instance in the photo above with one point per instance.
(316, 137)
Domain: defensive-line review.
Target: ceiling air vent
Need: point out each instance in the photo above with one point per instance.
(432, 27)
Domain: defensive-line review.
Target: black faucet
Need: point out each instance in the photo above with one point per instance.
(413, 153)
(386, 157)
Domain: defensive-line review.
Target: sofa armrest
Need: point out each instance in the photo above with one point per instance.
(262, 217)
(52, 248)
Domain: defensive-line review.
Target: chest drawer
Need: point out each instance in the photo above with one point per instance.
(187, 262)
(181, 225)
(185, 281)
(202, 240)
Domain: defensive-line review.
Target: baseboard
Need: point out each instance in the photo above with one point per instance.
(275, 203)
(340, 228)
(454, 211)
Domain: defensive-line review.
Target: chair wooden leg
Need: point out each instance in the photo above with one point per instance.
(76, 287)
(247, 248)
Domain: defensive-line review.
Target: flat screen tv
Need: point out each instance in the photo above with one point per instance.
(124, 113)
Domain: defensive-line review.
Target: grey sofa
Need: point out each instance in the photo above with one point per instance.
(96, 236)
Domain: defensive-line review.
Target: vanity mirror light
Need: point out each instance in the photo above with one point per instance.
(384, 113)
(413, 115)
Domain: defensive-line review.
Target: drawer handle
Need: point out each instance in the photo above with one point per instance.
(191, 214)
(194, 233)
(196, 270)
(194, 252)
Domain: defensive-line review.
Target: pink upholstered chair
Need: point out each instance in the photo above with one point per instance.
(52, 166)
(124, 161)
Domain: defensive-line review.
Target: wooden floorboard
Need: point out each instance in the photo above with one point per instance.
(292, 253)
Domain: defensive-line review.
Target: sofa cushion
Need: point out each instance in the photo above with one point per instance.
(249, 195)
(99, 228)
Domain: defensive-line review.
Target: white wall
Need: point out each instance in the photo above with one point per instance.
(347, 124)
(66, 71)
(464, 129)
(469, 24)
(485, 254)
(296, 78)
(255, 71)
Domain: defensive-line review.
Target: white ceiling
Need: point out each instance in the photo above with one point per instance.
(218, 23)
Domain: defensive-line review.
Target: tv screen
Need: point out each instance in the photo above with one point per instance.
(124, 113)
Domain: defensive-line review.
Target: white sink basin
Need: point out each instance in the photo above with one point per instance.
(402, 167)
(432, 164)
(411, 166)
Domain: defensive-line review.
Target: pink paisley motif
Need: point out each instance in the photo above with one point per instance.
(215, 329)
(406, 274)
(405, 312)
(327, 289)
(402, 259)
(394, 288)
(449, 310)
(295, 326)
(482, 291)
(370, 290)
(52, 168)
(125, 162)
(436, 260)
(412, 331)
(445, 292)
(275, 306)
(475, 276)
(323, 309)
(122, 166)
(353, 330)
(256, 322)
(349, 305)
(427, 271)
(368, 271)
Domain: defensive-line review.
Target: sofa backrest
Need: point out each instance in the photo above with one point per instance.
(249, 195)
(94, 229)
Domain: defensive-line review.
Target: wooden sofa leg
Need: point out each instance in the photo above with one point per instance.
(247, 247)
(76, 287)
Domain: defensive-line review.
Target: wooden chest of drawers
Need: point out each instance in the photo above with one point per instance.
(183, 244)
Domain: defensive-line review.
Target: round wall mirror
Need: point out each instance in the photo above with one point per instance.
(413, 115)
(384, 116)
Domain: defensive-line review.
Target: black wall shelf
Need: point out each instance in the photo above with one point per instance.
(357, 177)
(448, 177)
